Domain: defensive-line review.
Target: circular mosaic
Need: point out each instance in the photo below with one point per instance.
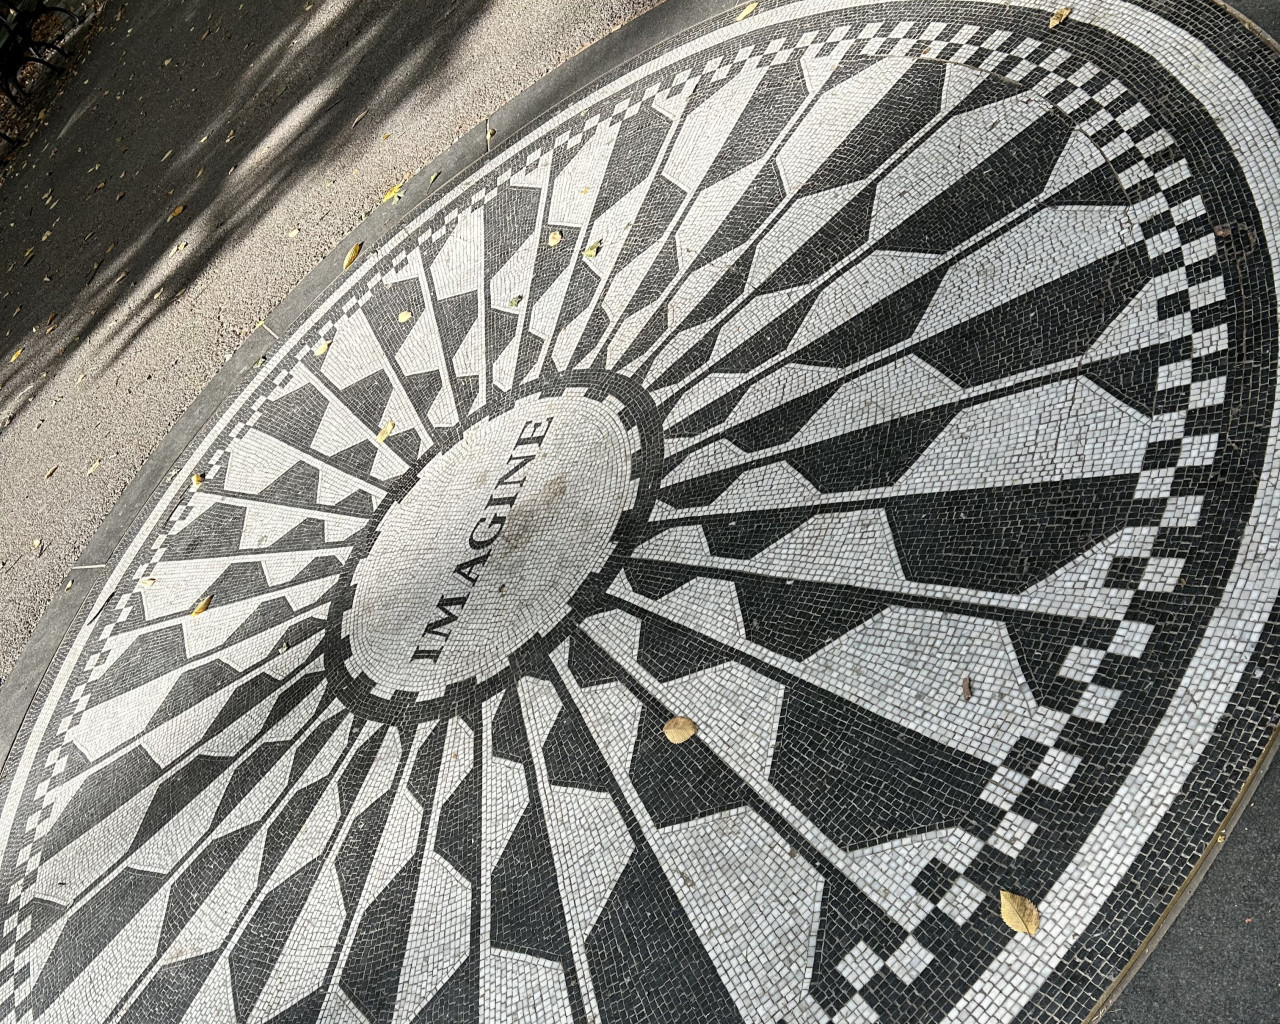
(815, 481)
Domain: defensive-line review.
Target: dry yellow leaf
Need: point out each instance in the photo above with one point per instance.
(176, 210)
(515, 300)
(68, 586)
(392, 192)
(746, 11)
(1059, 16)
(166, 156)
(385, 137)
(352, 253)
(433, 177)
(94, 468)
(322, 348)
(385, 432)
(196, 480)
(148, 582)
(1019, 913)
(35, 543)
(202, 607)
(554, 239)
(405, 317)
(359, 118)
(679, 729)
(14, 358)
(52, 470)
(591, 251)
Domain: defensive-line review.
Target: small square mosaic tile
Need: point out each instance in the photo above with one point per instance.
(816, 480)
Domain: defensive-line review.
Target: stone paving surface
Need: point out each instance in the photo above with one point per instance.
(788, 537)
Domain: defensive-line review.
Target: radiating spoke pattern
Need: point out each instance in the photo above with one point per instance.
(876, 387)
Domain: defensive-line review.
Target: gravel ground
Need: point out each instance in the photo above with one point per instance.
(274, 126)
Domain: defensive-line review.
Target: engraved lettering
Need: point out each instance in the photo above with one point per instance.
(533, 433)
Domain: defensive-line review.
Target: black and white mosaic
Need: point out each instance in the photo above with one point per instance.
(888, 388)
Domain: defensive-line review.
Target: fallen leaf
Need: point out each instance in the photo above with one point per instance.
(392, 192)
(385, 432)
(293, 233)
(352, 253)
(196, 480)
(14, 358)
(52, 470)
(166, 156)
(679, 729)
(385, 137)
(405, 317)
(1059, 16)
(515, 300)
(230, 135)
(168, 61)
(148, 582)
(176, 210)
(68, 586)
(1019, 913)
(591, 251)
(966, 688)
(492, 133)
(36, 544)
(746, 11)
(433, 177)
(554, 239)
(359, 118)
(322, 348)
(94, 468)
(202, 607)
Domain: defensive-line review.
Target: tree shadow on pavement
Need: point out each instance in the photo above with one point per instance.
(212, 106)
